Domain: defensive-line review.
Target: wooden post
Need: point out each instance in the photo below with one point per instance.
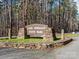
(62, 34)
(9, 35)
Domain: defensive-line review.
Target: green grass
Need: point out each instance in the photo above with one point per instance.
(36, 40)
(68, 35)
(30, 40)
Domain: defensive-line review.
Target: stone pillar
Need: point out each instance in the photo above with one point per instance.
(48, 35)
(62, 34)
(21, 33)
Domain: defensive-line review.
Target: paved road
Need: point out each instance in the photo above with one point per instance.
(70, 51)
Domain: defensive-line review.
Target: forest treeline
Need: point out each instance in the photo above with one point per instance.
(57, 14)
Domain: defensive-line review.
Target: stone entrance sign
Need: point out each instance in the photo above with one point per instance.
(39, 30)
(36, 30)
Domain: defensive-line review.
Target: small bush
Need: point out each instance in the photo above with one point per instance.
(57, 39)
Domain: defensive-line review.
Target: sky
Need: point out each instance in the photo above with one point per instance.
(77, 1)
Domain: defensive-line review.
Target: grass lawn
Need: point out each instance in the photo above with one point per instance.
(35, 40)
(68, 35)
(30, 40)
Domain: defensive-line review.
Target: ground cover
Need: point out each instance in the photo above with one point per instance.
(68, 35)
(29, 40)
(36, 40)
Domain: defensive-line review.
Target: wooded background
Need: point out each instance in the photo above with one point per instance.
(57, 14)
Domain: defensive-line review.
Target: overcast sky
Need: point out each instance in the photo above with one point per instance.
(77, 4)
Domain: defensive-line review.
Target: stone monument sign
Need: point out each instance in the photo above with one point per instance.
(39, 30)
(36, 30)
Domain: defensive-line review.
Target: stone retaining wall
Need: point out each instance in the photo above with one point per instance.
(35, 45)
